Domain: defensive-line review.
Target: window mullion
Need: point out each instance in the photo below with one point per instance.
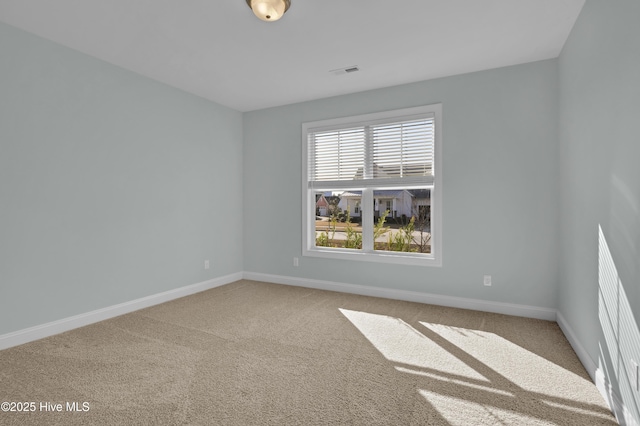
(368, 153)
(367, 219)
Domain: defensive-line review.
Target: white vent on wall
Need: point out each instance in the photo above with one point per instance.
(345, 70)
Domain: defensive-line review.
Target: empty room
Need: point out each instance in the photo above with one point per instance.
(279, 212)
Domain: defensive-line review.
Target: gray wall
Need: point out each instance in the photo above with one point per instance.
(599, 293)
(500, 207)
(112, 186)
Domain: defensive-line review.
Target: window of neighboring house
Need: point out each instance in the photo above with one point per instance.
(387, 168)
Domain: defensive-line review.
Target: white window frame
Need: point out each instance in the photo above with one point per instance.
(308, 205)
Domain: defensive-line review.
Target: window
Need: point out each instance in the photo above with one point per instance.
(384, 173)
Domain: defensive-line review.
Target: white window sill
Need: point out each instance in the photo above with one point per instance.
(377, 256)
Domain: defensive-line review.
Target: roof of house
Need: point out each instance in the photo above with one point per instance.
(420, 193)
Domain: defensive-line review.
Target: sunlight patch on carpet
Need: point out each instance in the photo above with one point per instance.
(505, 363)
(455, 409)
(479, 375)
(485, 387)
(399, 342)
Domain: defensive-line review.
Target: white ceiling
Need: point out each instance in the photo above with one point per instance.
(219, 50)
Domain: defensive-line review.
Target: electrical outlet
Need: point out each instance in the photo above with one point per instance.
(487, 280)
(206, 264)
(295, 261)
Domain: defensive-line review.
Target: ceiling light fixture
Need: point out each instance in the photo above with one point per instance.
(269, 10)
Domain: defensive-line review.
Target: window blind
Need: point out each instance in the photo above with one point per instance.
(385, 152)
(402, 149)
(336, 154)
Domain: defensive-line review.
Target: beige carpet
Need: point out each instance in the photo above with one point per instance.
(252, 353)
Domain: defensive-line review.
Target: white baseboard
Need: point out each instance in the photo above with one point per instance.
(622, 413)
(55, 327)
(410, 296)
(584, 357)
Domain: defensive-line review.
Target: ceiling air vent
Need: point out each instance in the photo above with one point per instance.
(346, 70)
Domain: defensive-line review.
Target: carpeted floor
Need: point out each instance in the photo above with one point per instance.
(252, 353)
